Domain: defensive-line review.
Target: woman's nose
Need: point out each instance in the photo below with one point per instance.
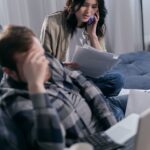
(89, 9)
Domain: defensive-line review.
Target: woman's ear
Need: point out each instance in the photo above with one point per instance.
(10, 73)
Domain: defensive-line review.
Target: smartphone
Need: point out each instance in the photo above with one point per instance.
(91, 20)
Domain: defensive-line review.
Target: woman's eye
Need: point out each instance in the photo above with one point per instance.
(85, 5)
(94, 7)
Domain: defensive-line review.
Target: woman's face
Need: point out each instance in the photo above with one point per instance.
(89, 8)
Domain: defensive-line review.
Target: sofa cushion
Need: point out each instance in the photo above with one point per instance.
(135, 68)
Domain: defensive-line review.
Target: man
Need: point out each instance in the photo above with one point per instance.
(38, 94)
(46, 134)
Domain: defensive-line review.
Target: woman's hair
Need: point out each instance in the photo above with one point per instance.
(72, 6)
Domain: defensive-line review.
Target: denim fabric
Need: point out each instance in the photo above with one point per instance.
(118, 106)
(110, 83)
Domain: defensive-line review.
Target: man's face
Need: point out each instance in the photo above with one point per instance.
(21, 57)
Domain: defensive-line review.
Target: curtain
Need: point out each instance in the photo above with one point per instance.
(30, 13)
(146, 14)
(123, 23)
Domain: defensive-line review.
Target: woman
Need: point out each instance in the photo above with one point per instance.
(63, 31)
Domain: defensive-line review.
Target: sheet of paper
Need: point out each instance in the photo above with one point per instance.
(138, 101)
(93, 63)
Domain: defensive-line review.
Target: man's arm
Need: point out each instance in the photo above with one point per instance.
(91, 93)
(94, 98)
(47, 132)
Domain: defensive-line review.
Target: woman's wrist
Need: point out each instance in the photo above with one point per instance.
(93, 37)
(95, 42)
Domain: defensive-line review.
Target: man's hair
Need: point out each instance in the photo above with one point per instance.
(14, 39)
(72, 6)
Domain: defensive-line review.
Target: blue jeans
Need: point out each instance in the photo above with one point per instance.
(118, 105)
(110, 84)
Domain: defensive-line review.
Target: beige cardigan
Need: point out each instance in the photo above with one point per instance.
(55, 37)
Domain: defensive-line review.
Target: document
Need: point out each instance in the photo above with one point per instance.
(138, 101)
(92, 62)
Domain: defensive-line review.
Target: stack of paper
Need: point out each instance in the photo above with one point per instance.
(92, 62)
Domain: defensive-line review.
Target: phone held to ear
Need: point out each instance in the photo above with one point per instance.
(91, 20)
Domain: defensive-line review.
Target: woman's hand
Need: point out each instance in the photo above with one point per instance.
(71, 65)
(91, 29)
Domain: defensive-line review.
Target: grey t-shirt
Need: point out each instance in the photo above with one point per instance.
(78, 39)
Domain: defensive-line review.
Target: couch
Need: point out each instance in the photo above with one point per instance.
(135, 68)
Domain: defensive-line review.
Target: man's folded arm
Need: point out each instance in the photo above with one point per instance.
(48, 131)
(95, 99)
(39, 122)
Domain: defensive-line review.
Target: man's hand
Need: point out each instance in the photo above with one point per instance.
(36, 71)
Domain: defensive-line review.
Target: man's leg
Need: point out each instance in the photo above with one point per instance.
(111, 84)
(118, 105)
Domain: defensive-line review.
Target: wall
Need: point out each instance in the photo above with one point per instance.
(123, 23)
